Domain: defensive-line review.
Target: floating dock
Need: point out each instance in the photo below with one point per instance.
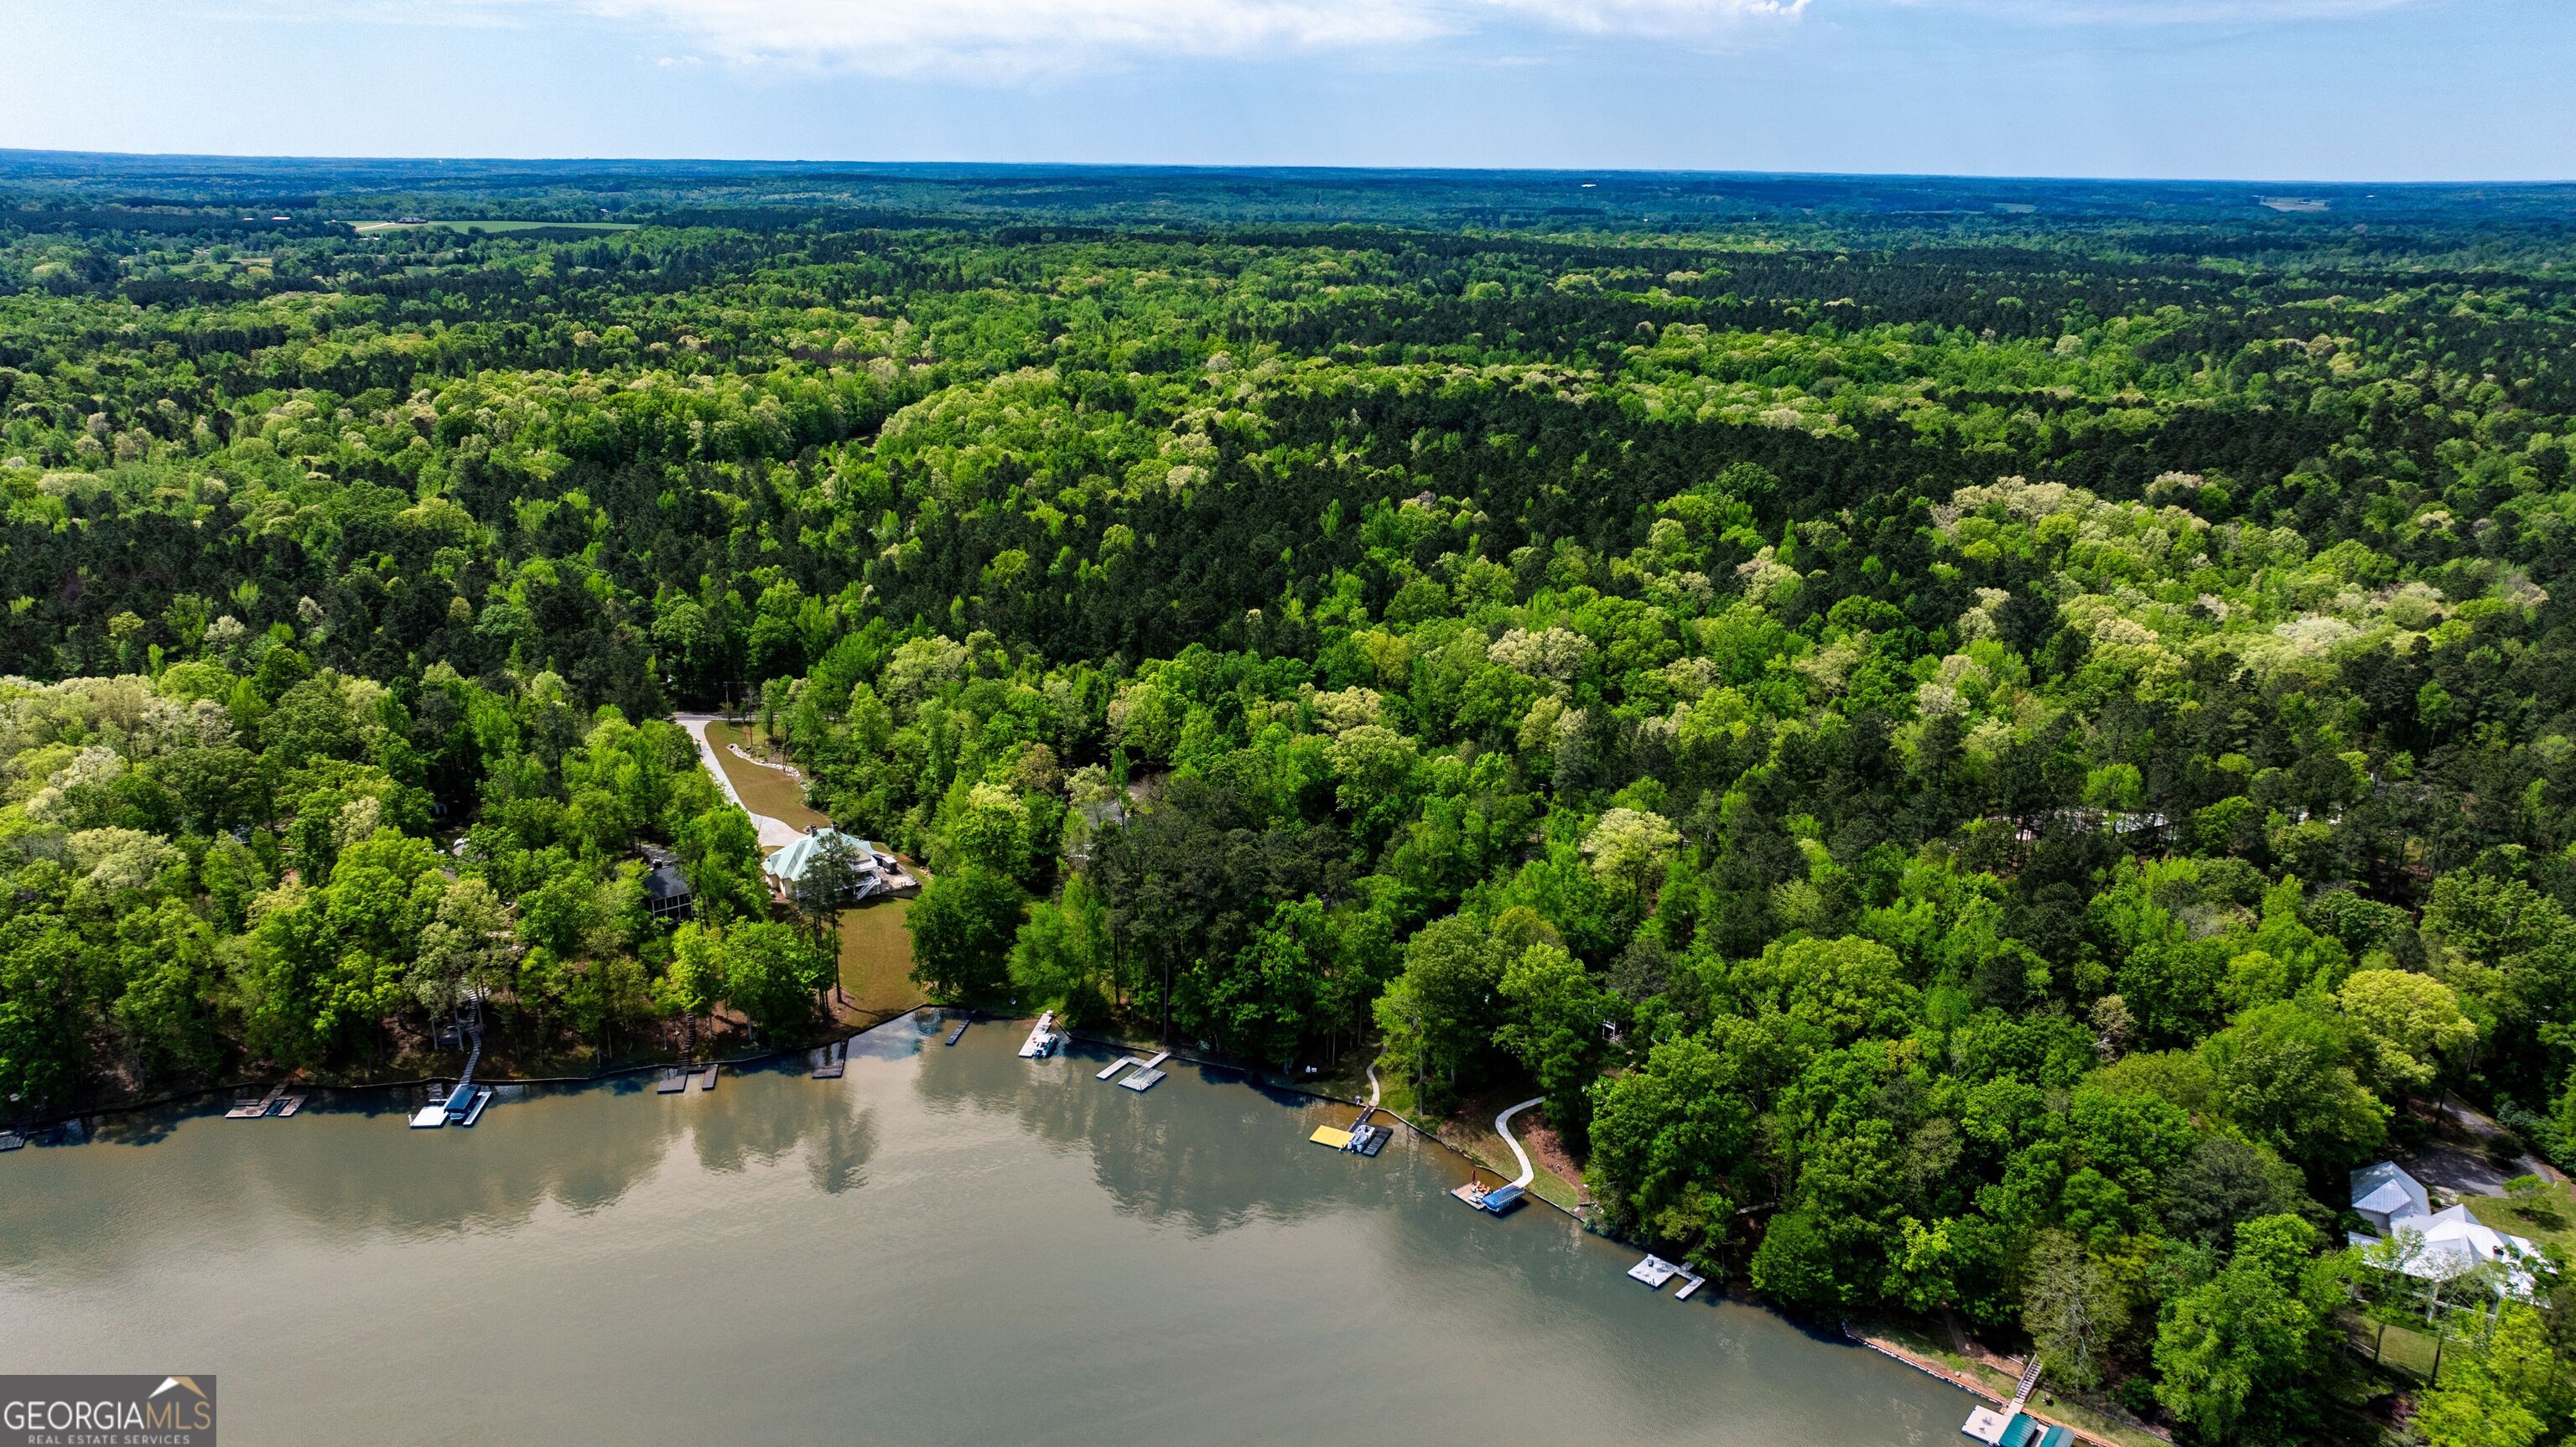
(10, 1140)
(960, 1032)
(1042, 1038)
(254, 1109)
(1655, 1271)
(673, 1081)
(1362, 1139)
(1147, 1074)
(1114, 1066)
(1496, 1200)
(707, 1078)
(288, 1106)
(457, 1107)
(831, 1060)
(2014, 1428)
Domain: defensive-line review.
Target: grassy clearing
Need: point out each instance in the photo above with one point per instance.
(2549, 1218)
(876, 958)
(763, 790)
(2399, 1348)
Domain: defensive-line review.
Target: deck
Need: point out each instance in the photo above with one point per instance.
(1042, 1038)
(1654, 1271)
(254, 1109)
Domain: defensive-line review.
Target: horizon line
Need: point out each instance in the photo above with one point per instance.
(8, 153)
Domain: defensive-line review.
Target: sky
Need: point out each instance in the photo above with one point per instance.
(2323, 90)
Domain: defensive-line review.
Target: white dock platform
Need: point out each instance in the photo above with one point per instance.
(474, 1112)
(1142, 1080)
(1654, 1271)
(429, 1117)
(1114, 1066)
(1986, 1425)
(1042, 1039)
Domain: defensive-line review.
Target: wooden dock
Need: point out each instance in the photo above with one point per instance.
(288, 1106)
(1114, 1066)
(1142, 1080)
(960, 1032)
(673, 1081)
(707, 1078)
(254, 1109)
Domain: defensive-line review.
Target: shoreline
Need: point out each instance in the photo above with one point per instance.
(1967, 1383)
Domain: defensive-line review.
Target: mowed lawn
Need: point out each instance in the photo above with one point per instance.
(763, 790)
(876, 958)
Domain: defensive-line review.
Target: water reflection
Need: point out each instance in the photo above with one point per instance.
(949, 1245)
(348, 1163)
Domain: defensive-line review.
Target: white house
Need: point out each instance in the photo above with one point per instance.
(2434, 1245)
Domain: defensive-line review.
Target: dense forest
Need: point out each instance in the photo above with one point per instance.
(1981, 745)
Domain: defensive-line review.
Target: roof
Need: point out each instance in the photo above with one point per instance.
(789, 864)
(667, 882)
(2388, 1190)
(2450, 1242)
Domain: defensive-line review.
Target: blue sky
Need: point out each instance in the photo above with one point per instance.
(2255, 89)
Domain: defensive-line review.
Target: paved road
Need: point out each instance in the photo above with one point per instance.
(774, 833)
(1503, 1128)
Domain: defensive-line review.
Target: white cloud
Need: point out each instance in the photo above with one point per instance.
(1008, 39)
(2160, 12)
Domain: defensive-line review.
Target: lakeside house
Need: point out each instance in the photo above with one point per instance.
(873, 869)
(2430, 1245)
(668, 897)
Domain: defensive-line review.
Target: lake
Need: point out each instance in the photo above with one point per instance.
(946, 1246)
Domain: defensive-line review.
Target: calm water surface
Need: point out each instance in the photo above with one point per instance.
(947, 1246)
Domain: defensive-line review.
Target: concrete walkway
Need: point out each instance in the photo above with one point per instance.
(774, 833)
(1503, 1128)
